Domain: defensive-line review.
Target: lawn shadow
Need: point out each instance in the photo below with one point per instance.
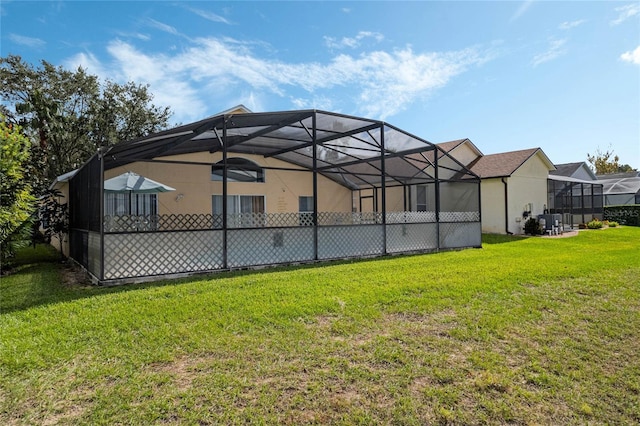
(53, 281)
(501, 238)
(42, 279)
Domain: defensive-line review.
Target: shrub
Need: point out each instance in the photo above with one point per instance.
(532, 227)
(16, 201)
(613, 224)
(594, 224)
(628, 214)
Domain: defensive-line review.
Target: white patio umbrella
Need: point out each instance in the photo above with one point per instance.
(133, 183)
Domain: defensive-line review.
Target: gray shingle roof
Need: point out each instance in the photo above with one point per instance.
(503, 164)
(567, 169)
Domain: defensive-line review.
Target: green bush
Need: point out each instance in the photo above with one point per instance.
(628, 214)
(16, 201)
(532, 227)
(594, 224)
(613, 224)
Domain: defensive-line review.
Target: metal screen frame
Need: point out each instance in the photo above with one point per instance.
(359, 154)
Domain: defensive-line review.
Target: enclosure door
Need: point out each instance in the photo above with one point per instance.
(305, 210)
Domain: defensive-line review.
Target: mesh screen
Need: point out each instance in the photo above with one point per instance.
(412, 237)
(252, 247)
(458, 235)
(157, 253)
(79, 245)
(93, 254)
(350, 241)
(84, 197)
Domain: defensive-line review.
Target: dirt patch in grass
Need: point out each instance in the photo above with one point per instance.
(74, 276)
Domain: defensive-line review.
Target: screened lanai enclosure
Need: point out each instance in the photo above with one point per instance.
(579, 201)
(253, 189)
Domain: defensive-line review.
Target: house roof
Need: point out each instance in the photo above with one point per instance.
(506, 163)
(567, 169)
(570, 169)
(349, 150)
(238, 109)
(63, 178)
(451, 145)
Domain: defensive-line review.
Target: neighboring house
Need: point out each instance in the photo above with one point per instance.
(621, 188)
(514, 184)
(574, 192)
(579, 170)
(244, 189)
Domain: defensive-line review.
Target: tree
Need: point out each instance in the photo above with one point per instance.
(68, 115)
(603, 163)
(54, 217)
(16, 201)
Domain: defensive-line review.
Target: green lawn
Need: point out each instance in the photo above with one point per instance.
(522, 331)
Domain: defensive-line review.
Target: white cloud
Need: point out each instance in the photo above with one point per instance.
(316, 102)
(571, 24)
(626, 12)
(162, 26)
(555, 50)
(252, 101)
(208, 15)
(88, 62)
(521, 10)
(139, 36)
(632, 56)
(352, 42)
(378, 84)
(27, 41)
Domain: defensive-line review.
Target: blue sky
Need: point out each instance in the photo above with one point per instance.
(509, 75)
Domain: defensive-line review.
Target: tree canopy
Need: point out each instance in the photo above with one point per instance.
(604, 163)
(16, 200)
(68, 115)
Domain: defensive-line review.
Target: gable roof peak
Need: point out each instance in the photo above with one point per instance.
(504, 164)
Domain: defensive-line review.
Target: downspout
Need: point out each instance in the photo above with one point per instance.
(506, 207)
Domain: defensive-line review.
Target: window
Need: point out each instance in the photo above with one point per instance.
(421, 198)
(305, 208)
(243, 211)
(238, 170)
(125, 204)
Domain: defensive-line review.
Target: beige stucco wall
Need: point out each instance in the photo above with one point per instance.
(194, 188)
(527, 186)
(492, 204)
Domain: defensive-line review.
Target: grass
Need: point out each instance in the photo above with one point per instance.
(522, 331)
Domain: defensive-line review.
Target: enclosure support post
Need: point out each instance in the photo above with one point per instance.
(437, 194)
(582, 203)
(479, 201)
(405, 192)
(315, 186)
(225, 257)
(384, 190)
(101, 215)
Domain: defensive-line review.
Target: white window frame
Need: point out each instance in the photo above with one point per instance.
(236, 218)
